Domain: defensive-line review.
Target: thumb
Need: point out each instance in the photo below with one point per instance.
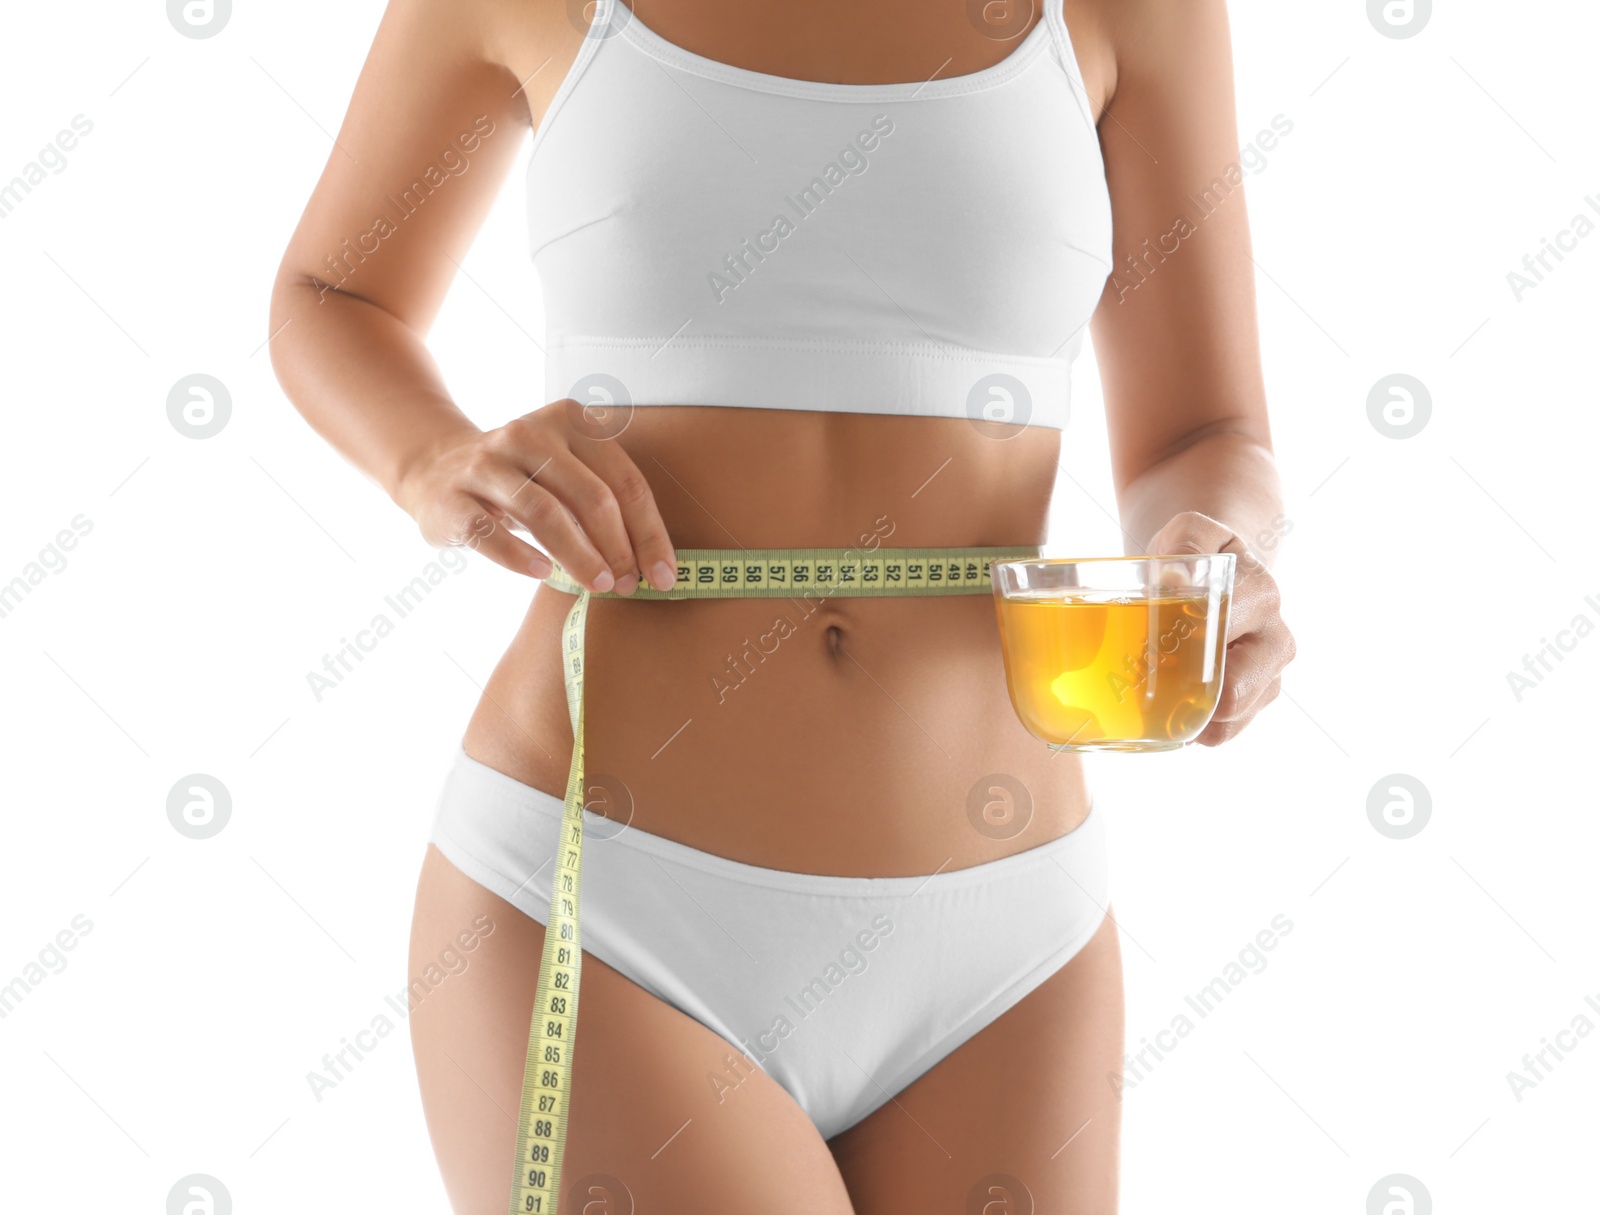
(1191, 532)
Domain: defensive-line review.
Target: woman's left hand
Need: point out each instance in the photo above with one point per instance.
(1259, 643)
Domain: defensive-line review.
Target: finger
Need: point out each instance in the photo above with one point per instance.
(511, 490)
(1221, 731)
(583, 492)
(529, 443)
(1252, 664)
(1254, 604)
(474, 525)
(1192, 533)
(653, 552)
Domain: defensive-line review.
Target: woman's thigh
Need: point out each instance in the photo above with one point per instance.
(1021, 1119)
(647, 1127)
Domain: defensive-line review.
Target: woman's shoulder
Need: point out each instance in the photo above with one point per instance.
(1116, 40)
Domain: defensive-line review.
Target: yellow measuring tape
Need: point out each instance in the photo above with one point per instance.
(810, 573)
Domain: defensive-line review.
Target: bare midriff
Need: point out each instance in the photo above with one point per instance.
(864, 737)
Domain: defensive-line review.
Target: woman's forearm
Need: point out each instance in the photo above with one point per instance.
(1226, 475)
(363, 379)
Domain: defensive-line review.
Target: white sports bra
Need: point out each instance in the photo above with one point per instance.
(709, 235)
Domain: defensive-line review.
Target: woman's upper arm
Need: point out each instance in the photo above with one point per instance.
(1175, 332)
(433, 127)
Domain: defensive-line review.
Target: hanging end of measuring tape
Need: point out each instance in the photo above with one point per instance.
(553, 1030)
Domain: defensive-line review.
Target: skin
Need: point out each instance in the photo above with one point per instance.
(850, 713)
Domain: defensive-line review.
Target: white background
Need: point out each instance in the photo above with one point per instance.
(1418, 572)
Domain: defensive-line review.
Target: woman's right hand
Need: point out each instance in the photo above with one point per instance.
(564, 480)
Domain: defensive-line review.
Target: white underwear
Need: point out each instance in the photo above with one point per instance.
(843, 989)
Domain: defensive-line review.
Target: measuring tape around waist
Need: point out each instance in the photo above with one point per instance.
(820, 573)
(781, 572)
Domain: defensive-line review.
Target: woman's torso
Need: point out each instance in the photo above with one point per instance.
(869, 737)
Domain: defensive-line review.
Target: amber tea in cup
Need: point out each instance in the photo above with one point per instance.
(1115, 653)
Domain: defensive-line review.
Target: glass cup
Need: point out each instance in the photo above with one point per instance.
(1114, 653)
